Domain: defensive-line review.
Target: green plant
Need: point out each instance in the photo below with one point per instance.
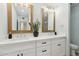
(35, 26)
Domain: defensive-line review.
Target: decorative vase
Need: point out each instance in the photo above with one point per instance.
(35, 33)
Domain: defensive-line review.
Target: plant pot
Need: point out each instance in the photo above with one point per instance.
(35, 33)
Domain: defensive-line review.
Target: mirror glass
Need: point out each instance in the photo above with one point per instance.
(48, 19)
(21, 17)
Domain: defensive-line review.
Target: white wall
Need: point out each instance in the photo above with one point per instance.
(15, 17)
(62, 18)
(3, 19)
(63, 22)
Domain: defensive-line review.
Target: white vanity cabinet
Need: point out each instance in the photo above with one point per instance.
(25, 52)
(59, 47)
(18, 49)
(28, 52)
(13, 53)
(44, 47)
(48, 46)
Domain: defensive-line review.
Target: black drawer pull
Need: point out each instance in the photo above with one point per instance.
(17, 54)
(58, 44)
(44, 43)
(44, 50)
(21, 54)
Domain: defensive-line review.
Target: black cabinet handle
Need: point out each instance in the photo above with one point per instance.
(44, 43)
(44, 50)
(21, 54)
(58, 44)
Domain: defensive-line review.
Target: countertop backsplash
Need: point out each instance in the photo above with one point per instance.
(24, 35)
(21, 35)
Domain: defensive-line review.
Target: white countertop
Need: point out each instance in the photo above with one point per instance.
(27, 39)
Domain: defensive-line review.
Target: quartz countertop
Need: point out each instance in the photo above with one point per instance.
(27, 39)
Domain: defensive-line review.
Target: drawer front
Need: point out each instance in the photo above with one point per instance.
(25, 52)
(26, 45)
(58, 39)
(17, 46)
(43, 42)
(43, 51)
(59, 47)
(14, 53)
(28, 52)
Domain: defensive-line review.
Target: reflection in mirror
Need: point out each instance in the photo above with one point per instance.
(48, 20)
(21, 17)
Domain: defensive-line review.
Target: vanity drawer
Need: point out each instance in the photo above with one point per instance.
(13, 53)
(60, 39)
(26, 45)
(17, 46)
(58, 47)
(43, 51)
(28, 52)
(43, 43)
(25, 52)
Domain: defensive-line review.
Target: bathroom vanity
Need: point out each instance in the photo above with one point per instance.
(46, 45)
(34, 46)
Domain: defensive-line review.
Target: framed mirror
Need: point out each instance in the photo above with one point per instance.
(48, 19)
(19, 17)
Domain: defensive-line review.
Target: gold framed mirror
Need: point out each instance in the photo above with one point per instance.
(19, 17)
(48, 19)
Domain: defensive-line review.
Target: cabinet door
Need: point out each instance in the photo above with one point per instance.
(25, 52)
(16, 53)
(41, 43)
(43, 51)
(58, 47)
(28, 52)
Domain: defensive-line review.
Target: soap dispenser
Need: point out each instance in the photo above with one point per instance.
(10, 35)
(55, 33)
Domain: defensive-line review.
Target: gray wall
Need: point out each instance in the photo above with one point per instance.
(74, 24)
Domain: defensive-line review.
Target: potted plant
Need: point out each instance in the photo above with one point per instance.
(35, 28)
